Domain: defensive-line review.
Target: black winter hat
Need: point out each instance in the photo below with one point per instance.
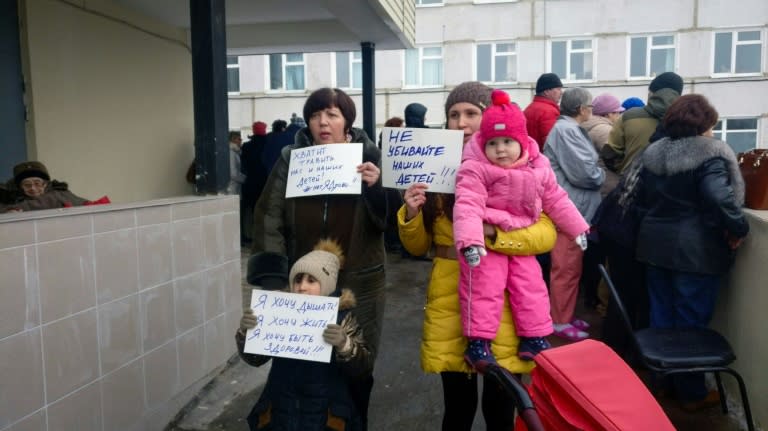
(29, 169)
(547, 81)
(414, 115)
(667, 80)
(268, 270)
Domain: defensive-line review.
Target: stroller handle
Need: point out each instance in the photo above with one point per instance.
(515, 389)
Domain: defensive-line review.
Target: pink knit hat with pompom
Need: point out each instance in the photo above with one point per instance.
(503, 118)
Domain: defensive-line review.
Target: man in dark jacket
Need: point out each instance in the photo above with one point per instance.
(632, 132)
(277, 139)
(255, 176)
(414, 115)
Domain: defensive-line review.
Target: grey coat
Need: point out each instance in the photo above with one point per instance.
(575, 162)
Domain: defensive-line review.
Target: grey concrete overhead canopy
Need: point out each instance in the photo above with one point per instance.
(283, 26)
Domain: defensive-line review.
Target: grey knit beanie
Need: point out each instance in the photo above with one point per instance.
(323, 263)
(472, 92)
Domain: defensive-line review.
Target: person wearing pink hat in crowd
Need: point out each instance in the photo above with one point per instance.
(505, 181)
(606, 109)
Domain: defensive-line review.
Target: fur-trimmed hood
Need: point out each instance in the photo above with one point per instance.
(667, 157)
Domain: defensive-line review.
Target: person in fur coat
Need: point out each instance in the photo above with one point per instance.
(503, 180)
(689, 190)
(305, 395)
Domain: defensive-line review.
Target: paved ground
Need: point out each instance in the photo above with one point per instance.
(404, 398)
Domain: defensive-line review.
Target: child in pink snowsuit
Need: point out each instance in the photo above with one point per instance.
(503, 180)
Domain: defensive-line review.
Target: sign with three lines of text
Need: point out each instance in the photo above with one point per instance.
(429, 156)
(291, 325)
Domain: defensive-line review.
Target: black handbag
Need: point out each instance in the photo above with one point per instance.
(616, 222)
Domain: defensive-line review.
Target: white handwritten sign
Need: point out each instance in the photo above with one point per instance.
(429, 156)
(324, 169)
(291, 325)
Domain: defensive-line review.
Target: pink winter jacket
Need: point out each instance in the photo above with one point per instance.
(509, 198)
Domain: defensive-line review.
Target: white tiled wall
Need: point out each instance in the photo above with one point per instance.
(110, 314)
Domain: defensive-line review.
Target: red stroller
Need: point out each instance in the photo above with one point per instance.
(582, 386)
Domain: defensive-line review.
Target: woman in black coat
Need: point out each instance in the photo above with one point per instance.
(691, 191)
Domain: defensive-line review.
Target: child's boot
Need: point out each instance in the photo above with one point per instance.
(478, 354)
(531, 346)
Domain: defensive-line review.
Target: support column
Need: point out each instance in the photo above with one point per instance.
(369, 89)
(209, 84)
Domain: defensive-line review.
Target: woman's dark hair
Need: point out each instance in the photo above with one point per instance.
(437, 204)
(324, 98)
(689, 115)
(394, 122)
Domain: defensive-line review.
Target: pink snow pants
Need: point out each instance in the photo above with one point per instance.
(481, 296)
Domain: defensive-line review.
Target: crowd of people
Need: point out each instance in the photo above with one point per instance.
(643, 187)
(543, 195)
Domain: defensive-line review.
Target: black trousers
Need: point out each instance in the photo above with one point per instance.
(590, 275)
(628, 276)
(360, 390)
(460, 400)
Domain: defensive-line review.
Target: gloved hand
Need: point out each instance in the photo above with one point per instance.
(473, 253)
(334, 335)
(581, 241)
(248, 321)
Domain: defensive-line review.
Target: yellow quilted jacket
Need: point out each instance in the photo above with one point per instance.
(442, 345)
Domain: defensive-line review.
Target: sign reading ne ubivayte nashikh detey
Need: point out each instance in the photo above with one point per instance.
(429, 156)
(324, 169)
(290, 325)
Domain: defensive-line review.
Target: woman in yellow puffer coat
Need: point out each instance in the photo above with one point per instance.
(425, 221)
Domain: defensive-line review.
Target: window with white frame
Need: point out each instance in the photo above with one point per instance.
(738, 52)
(424, 66)
(739, 133)
(573, 60)
(651, 55)
(429, 2)
(496, 62)
(286, 72)
(233, 74)
(349, 70)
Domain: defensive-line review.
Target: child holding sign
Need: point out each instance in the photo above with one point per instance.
(303, 394)
(503, 180)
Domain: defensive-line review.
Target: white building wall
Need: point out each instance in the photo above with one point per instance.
(458, 25)
(392, 62)
(318, 68)
(720, 14)
(253, 73)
